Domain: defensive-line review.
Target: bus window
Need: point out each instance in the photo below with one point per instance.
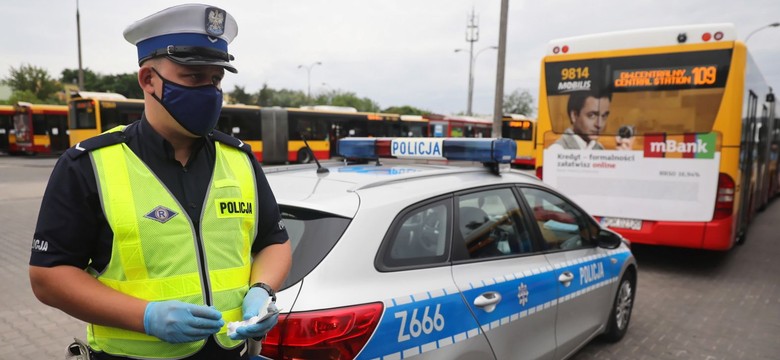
(518, 130)
(456, 131)
(242, 123)
(39, 125)
(6, 125)
(412, 126)
(113, 114)
(309, 126)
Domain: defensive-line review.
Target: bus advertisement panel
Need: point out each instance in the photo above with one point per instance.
(650, 140)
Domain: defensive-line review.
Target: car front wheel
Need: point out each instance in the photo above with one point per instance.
(620, 315)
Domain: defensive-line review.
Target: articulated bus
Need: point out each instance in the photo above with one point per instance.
(275, 134)
(458, 126)
(663, 134)
(6, 125)
(39, 129)
(522, 130)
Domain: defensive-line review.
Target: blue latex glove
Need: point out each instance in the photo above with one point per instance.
(255, 298)
(175, 321)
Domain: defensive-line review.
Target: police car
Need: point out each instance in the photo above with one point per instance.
(394, 259)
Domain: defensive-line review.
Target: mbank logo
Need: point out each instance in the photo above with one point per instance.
(688, 146)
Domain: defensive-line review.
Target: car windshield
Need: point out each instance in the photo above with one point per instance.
(312, 235)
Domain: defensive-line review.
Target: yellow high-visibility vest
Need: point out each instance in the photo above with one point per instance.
(155, 251)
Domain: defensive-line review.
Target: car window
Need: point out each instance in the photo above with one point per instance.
(312, 235)
(561, 224)
(419, 236)
(490, 224)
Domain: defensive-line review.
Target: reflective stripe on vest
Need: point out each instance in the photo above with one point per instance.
(155, 247)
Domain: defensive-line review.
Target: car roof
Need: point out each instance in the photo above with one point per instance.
(337, 191)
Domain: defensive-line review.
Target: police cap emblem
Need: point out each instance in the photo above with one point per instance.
(215, 21)
(161, 214)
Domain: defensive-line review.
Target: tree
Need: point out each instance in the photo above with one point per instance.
(240, 96)
(405, 110)
(296, 98)
(35, 80)
(91, 79)
(519, 102)
(27, 96)
(125, 84)
(264, 96)
(350, 99)
(284, 97)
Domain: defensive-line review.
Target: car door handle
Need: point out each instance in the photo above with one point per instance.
(488, 301)
(565, 278)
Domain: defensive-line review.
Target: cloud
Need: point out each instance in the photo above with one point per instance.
(395, 52)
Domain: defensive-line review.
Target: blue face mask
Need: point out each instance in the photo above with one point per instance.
(196, 108)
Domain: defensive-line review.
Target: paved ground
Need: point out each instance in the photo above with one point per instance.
(705, 305)
(690, 304)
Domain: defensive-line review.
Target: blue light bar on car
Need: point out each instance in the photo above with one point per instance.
(486, 150)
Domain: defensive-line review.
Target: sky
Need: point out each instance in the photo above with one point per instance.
(395, 52)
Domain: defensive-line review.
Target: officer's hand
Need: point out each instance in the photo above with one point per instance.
(174, 321)
(254, 300)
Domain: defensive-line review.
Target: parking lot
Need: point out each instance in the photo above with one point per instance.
(690, 304)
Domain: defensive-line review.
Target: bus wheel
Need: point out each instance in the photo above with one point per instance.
(741, 236)
(619, 317)
(304, 157)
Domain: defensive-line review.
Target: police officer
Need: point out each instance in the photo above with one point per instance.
(160, 233)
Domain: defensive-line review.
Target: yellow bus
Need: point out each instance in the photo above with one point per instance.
(522, 130)
(91, 113)
(663, 133)
(275, 134)
(39, 129)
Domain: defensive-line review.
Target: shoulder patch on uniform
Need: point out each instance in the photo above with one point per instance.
(97, 142)
(232, 141)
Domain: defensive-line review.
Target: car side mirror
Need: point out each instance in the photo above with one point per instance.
(609, 239)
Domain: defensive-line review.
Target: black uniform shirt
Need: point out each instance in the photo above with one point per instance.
(72, 229)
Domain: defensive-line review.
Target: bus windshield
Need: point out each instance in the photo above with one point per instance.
(82, 115)
(518, 129)
(675, 93)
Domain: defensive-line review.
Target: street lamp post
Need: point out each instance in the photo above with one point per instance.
(472, 62)
(78, 35)
(776, 24)
(308, 76)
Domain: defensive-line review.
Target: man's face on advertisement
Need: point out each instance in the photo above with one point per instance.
(590, 121)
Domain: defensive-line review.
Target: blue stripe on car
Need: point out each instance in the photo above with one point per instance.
(410, 324)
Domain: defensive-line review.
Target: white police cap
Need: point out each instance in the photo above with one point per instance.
(190, 34)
